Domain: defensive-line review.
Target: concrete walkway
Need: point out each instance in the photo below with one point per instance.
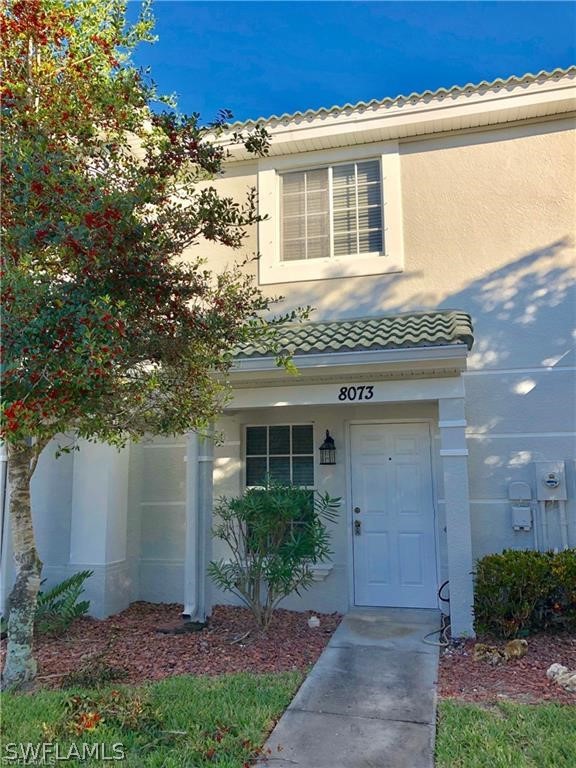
(370, 700)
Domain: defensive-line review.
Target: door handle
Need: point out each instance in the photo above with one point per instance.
(357, 527)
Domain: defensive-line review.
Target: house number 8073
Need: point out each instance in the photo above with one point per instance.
(361, 392)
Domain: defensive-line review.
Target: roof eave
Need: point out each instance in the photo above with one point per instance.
(438, 113)
(449, 359)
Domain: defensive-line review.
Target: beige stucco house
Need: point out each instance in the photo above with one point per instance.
(434, 235)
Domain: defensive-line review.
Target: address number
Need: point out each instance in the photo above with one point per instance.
(362, 392)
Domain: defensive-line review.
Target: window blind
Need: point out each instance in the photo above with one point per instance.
(334, 211)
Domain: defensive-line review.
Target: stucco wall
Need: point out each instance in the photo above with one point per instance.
(488, 227)
(158, 514)
(488, 221)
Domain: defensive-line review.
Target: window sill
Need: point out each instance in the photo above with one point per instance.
(321, 571)
(326, 269)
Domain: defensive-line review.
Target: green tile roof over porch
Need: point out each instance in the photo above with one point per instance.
(415, 329)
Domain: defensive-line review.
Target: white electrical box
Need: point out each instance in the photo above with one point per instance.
(521, 518)
(519, 491)
(520, 494)
(550, 481)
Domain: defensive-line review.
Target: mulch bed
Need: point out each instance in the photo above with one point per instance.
(522, 680)
(135, 644)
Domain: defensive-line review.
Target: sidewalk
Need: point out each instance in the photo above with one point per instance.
(369, 701)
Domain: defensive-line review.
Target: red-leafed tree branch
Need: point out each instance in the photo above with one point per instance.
(107, 332)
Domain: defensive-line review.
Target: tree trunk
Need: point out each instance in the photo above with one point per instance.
(20, 665)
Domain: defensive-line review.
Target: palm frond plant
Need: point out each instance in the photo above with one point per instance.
(59, 606)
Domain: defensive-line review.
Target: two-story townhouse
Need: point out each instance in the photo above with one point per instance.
(433, 235)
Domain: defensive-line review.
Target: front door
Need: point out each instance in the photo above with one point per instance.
(393, 525)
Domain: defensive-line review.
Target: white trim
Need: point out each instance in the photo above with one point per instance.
(509, 435)
(547, 97)
(162, 445)
(452, 423)
(357, 357)
(541, 369)
(482, 501)
(327, 394)
(271, 270)
(321, 571)
(453, 452)
(491, 501)
(90, 566)
(163, 503)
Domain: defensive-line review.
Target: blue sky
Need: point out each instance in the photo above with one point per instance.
(264, 58)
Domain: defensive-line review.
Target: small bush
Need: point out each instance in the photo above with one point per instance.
(274, 534)
(58, 607)
(523, 591)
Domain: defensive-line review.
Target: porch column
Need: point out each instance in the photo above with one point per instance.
(198, 550)
(98, 529)
(454, 456)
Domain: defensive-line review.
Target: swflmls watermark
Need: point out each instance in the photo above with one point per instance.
(52, 753)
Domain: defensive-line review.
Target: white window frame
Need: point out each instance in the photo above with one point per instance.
(280, 455)
(272, 270)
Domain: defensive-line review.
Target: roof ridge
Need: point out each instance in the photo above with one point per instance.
(415, 96)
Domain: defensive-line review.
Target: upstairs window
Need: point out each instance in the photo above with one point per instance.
(332, 212)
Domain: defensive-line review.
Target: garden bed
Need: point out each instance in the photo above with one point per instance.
(132, 641)
(522, 680)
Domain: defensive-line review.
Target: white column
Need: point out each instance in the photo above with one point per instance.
(99, 524)
(199, 502)
(454, 457)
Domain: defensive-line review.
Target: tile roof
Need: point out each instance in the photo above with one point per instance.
(424, 96)
(414, 329)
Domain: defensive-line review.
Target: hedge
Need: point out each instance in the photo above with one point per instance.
(522, 591)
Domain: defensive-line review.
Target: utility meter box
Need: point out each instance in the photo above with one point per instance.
(550, 481)
(520, 495)
(521, 518)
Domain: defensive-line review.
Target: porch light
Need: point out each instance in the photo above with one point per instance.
(328, 450)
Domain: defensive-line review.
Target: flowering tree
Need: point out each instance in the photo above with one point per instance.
(107, 332)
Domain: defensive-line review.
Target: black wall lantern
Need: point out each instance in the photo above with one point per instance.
(328, 450)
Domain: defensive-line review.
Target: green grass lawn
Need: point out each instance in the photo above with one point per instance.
(198, 722)
(506, 736)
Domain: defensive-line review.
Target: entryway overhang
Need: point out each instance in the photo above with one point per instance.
(411, 357)
(408, 347)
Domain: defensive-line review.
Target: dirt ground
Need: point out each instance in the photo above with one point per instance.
(523, 680)
(131, 640)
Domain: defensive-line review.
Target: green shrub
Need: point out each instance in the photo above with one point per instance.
(523, 591)
(274, 534)
(561, 608)
(58, 607)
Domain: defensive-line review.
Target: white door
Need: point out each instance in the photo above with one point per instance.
(393, 526)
